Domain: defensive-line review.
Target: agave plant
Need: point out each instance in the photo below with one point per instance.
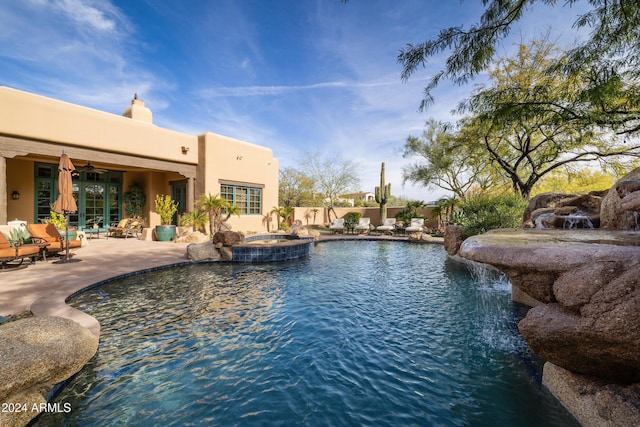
(18, 236)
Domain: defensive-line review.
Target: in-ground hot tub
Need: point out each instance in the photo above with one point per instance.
(272, 248)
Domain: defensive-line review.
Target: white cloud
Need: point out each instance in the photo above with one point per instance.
(85, 14)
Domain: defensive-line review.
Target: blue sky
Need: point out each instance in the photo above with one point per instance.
(297, 76)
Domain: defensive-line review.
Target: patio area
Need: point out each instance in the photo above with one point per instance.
(43, 286)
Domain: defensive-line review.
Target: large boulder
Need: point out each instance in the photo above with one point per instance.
(297, 229)
(597, 336)
(541, 201)
(228, 238)
(592, 402)
(453, 238)
(621, 206)
(203, 252)
(36, 354)
(191, 237)
(556, 210)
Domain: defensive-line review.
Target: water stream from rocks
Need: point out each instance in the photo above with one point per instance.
(576, 220)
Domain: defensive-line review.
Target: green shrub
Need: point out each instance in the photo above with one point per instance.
(58, 220)
(483, 213)
(352, 218)
(410, 211)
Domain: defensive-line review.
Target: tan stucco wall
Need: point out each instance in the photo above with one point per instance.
(233, 160)
(20, 177)
(32, 116)
(373, 213)
(47, 125)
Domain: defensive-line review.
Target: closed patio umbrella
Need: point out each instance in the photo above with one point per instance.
(65, 203)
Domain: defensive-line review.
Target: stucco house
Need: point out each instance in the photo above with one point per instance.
(111, 152)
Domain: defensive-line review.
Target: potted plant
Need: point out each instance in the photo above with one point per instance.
(59, 221)
(134, 200)
(166, 208)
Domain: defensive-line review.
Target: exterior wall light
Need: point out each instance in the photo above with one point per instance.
(15, 195)
(185, 149)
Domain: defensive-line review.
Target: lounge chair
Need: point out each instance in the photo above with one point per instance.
(10, 254)
(337, 226)
(118, 229)
(416, 226)
(363, 225)
(48, 233)
(388, 226)
(134, 228)
(126, 227)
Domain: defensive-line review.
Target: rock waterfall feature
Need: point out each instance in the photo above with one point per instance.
(576, 261)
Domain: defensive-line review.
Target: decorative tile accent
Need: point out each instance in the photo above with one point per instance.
(293, 248)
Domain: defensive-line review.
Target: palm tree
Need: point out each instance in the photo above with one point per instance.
(196, 219)
(215, 208)
(307, 216)
(449, 205)
(436, 213)
(266, 220)
(276, 211)
(285, 213)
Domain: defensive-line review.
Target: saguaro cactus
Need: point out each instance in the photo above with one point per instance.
(382, 195)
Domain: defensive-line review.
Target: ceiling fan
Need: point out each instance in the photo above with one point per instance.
(90, 168)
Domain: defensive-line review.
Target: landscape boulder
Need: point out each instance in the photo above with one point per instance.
(36, 354)
(453, 238)
(192, 237)
(228, 238)
(203, 252)
(556, 210)
(621, 206)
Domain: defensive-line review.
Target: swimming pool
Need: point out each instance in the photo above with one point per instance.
(361, 333)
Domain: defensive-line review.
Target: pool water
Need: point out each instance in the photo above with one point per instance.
(361, 333)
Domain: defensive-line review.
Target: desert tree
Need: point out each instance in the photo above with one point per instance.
(333, 177)
(610, 51)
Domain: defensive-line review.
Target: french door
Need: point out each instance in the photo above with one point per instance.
(97, 194)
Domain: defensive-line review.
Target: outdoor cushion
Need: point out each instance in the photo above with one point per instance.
(363, 224)
(7, 253)
(337, 225)
(416, 225)
(388, 225)
(48, 233)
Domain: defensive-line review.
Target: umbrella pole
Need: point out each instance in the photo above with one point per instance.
(66, 240)
(66, 233)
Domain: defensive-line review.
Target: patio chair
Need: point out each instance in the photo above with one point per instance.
(48, 233)
(388, 226)
(119, 229)
(416, 226)
(337, 226)
(363, 225)
(134, 228)
(9, 254)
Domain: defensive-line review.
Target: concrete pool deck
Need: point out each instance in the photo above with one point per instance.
(43, 287)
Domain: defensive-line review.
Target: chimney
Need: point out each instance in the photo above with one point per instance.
(138, 111)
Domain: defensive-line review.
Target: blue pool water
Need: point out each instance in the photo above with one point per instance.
(361, 333)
